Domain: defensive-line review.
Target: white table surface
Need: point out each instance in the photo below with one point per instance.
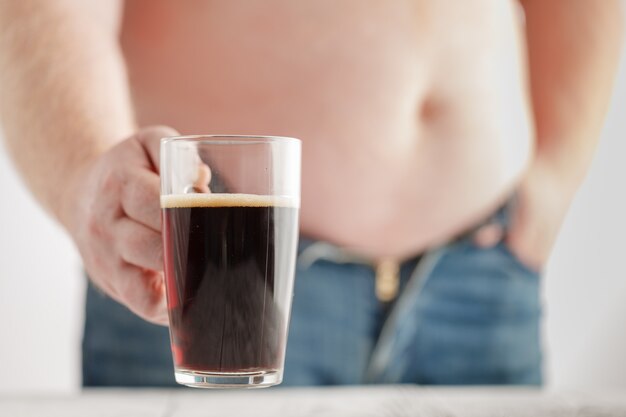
(387, 401)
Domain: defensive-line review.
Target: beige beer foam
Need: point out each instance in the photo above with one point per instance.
(226, 200)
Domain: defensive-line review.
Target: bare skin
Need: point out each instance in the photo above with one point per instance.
(396, 105)
(416, 117)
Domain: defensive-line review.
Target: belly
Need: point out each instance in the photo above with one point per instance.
(413, 114)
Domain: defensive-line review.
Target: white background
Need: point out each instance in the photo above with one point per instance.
(41, 283)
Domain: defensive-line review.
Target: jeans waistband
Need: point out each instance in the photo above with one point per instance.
(311, 250)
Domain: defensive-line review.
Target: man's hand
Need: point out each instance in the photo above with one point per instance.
(116, 223)
(543, 199)
(541, 203)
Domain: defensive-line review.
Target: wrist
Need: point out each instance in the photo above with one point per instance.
(67, 201)
(563, 170)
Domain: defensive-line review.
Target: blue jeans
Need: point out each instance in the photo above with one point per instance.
(465, 315)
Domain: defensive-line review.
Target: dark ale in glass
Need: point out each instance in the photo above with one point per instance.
(229, 259)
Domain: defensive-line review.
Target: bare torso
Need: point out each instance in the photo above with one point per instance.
(413, 114)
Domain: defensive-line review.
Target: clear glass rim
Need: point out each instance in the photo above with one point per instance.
(229, 139)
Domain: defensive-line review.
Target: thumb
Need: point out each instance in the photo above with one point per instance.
(489, 235)
(150, 140)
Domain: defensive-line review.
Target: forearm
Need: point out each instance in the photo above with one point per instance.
(64, 93)
(573, 52)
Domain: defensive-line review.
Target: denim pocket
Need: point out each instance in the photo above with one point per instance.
(507, 251)
(478, 319)
(490, 280)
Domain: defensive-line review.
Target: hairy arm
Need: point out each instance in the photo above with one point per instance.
(573, 52)
(64, 97)
(66, 112)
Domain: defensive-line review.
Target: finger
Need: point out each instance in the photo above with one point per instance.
(139, 245)
(150, 139)
(104, 286)
(143, 292)
(140, 199)
(489, 235)
(201, 184)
